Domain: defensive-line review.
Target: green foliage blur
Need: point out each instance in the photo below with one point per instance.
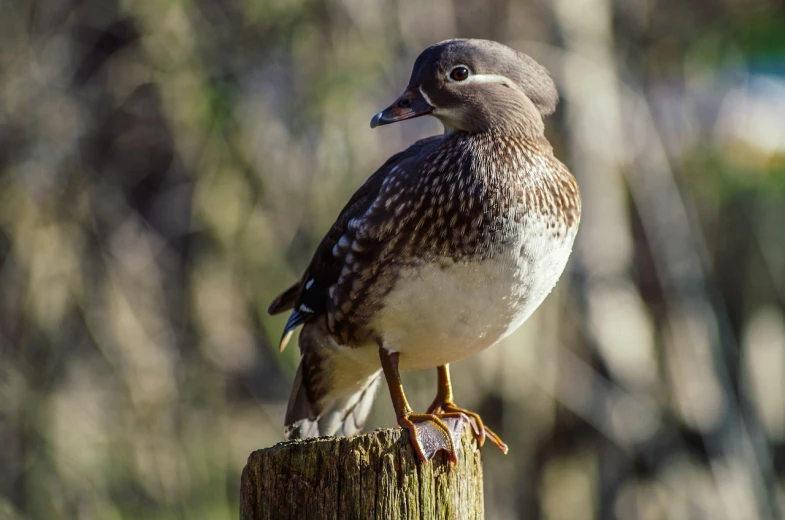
(167, 168)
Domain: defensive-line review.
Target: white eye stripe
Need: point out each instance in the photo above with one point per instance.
(490, 78)
(484, 78)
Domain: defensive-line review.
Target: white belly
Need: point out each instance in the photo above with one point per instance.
(442, 312)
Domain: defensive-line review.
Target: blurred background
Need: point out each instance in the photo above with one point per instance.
(167, 168)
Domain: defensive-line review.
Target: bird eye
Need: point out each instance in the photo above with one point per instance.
(459, 73)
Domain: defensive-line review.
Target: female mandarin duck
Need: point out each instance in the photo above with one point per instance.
(445, 250)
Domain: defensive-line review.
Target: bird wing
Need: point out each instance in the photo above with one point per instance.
(285, 301)
(362, 223)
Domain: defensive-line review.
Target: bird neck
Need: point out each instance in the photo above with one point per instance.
(520, 125)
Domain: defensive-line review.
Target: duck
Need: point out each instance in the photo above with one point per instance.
(444, 251)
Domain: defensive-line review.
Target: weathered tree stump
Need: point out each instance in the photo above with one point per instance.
(371, 476)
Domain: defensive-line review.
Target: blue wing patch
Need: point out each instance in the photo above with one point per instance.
(314, 296)
(298, 316)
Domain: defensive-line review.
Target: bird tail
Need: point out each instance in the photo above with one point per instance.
(333, 390)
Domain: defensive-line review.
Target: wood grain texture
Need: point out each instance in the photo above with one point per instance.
(370, 476)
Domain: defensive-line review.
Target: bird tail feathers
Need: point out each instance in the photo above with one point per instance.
(332, 393)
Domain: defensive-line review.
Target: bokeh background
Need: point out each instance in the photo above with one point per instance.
(166, 168)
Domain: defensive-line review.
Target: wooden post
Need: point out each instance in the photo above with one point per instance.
(371, 476)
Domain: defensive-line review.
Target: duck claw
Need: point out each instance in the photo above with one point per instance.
(480, 431)
(429, 434)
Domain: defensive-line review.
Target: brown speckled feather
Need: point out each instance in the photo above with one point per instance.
(309, 297)
(448, 202)
(440, 198)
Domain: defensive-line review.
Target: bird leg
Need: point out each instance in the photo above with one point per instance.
(428, 432)
(444, 406)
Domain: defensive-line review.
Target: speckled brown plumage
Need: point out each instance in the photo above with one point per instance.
(455, 200)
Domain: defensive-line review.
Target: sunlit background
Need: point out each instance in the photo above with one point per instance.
(168, 167)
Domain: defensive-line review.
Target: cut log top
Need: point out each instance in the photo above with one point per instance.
(370, 476)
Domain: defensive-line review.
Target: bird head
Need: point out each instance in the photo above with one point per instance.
(476, 86)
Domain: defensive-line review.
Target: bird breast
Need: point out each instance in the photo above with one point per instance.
(442, 311)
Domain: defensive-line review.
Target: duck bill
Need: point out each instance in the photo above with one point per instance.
(410, 105)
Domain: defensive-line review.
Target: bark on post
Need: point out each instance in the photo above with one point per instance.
(370, 476)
